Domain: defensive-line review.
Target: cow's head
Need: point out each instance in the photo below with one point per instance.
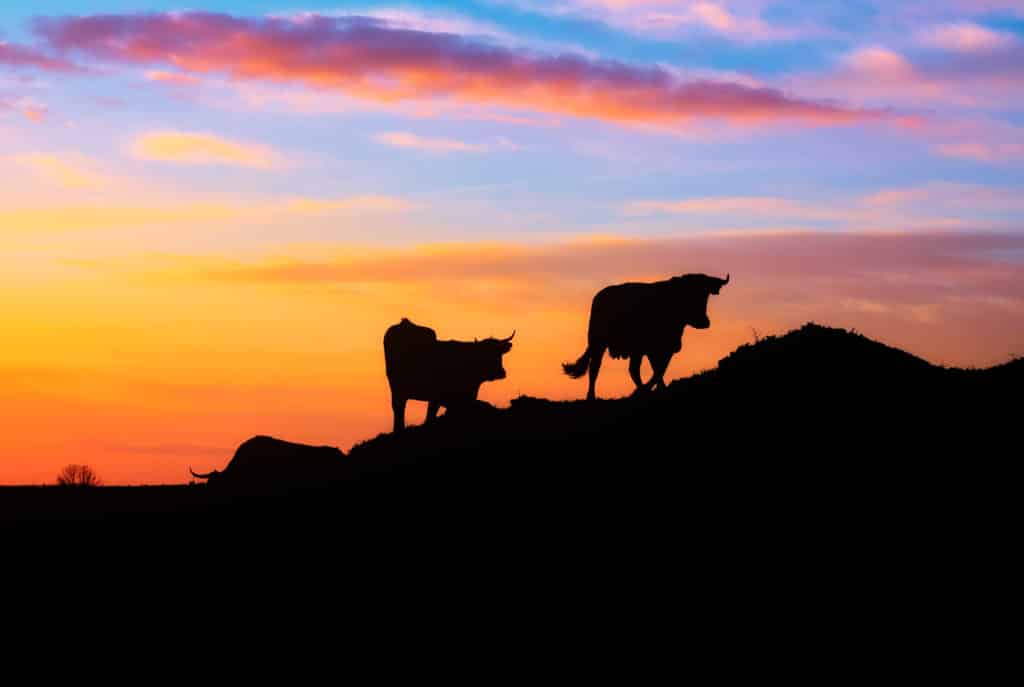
(694, 291)
(213, 477)
(487, 357)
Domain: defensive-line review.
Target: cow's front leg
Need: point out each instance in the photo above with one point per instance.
(398, 408)
(432, 408)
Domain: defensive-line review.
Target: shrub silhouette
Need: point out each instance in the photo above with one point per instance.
(78, 476)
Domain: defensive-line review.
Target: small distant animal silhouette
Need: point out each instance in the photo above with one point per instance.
(442, 373)
(636, 319)
(268, 462)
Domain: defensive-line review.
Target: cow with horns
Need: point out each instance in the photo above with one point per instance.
(265, 462)
(633, 320)
(442, 373)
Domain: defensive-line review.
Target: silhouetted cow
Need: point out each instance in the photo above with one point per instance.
(633, 320)
(442, 373)
(267, 462)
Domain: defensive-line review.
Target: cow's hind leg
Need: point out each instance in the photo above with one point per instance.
(398, 407)
(634, 370)
(659, 363)
(596, 354)
(432, 408)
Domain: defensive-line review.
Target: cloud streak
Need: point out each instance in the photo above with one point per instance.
(969, 71)
(737, 21)
(371, 60)
(405, 139)
(928, 205)
(69, 172)
(202, 149)
(26, 107)
(763, 206)
(13, 55)
(916, 257)
(965, 37)
(114, 215)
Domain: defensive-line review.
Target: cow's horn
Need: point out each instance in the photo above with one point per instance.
(511, 337)
(201, 476)
(726, 280)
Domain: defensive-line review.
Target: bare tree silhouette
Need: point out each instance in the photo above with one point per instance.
(78, 476)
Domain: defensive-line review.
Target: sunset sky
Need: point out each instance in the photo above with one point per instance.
(208, 217)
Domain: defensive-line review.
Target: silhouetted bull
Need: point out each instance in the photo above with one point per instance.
(267, 462)
(633, 320)
(442, 373)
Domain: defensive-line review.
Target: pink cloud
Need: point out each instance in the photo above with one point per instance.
(966, 37)
(20, 56)
(369, 60)
(762, 206)
(983, 152)
(172, 78)
(930, 205)
(405, 139)
(972, 71)
(877, 75)
(740, 21)
(28, 108)
(984, 140)
(987, 6)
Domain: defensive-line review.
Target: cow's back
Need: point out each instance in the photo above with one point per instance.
(267, 460)
(404, 344)
(633, 318)
(408, 356)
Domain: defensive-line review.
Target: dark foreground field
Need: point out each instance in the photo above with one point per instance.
(820, 431)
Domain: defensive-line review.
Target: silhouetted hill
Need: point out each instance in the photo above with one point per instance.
(809, 426)
(817, 480)
(816, 352)
(815, 393)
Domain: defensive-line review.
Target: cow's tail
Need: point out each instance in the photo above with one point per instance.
(578, 368)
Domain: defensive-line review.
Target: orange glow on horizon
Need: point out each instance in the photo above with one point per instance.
(142, 372)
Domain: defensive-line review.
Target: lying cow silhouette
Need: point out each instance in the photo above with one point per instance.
(265, 462)
(442, 373)
(635, 319)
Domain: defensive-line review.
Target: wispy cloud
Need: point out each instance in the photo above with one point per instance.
(29, 108)
(966, 75)
(797, 255)
(927, 205)
(983, 152)
(405, 139)
(773, 208)
(740, 21)
(367, 204)
(202, 149)
(980, 139)
(413, 19)
(21, 56)
(370, 61)
(965, 37)
(172, 78)
(112, 215)
(64, 171)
